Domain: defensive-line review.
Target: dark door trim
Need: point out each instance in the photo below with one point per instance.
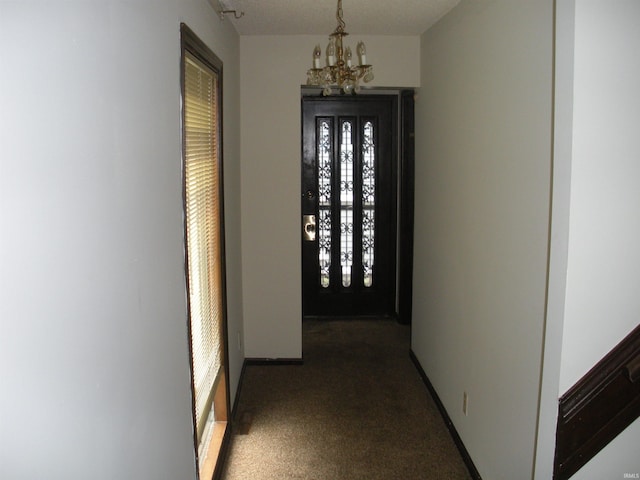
(406, 198)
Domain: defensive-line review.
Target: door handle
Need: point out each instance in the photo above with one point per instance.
(309, 228)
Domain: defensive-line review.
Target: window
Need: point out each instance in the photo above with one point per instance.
(204, 246)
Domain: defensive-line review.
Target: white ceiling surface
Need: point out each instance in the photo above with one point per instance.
(316, 17)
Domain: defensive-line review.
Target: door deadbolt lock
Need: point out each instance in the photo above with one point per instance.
(309, 228)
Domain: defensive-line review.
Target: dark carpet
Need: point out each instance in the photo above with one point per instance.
(356, 409)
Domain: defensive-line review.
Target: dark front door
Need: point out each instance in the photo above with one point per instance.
(349, 158)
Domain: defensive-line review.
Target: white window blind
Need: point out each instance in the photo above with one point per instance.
(202, 205)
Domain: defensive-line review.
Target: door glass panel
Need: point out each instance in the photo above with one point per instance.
(368, 202)
(346, 201)
(324, 200)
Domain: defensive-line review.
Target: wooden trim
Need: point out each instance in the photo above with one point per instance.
(339, 318)
(473, 471)
(598, 407)
(210, 460)
(189, 42)
(236, 400)
(220, 403)
(221, 434)
(223, 452)
(224, 449)
(406, 197)
(274, 361)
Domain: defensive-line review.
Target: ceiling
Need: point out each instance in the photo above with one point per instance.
(318, 17)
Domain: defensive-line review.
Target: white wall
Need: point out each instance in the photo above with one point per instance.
(94, 365)
(272, 70)
(483, 166)
(602, 302)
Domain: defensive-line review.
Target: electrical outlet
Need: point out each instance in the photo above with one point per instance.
(465, 403)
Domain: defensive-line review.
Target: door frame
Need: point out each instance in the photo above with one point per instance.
(405, 193)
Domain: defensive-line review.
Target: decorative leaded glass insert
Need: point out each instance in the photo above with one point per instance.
(346, 201)
(325, 155)
(368, 202)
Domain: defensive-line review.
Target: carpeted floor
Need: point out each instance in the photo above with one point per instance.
(356, 409)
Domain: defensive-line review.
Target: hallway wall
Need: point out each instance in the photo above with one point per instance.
(272, 70)
(94, 357)
(483, 168)
(603, 265)
(604, 259)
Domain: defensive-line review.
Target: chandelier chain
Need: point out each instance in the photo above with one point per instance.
(341, 24)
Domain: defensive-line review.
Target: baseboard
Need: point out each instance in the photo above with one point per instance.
(273, 361)
(473, 471)
(234, 409)
(341, 318)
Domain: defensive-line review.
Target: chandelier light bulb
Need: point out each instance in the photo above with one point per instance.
(317, 54)
(362, 53)
(348, 55)
(331, 52)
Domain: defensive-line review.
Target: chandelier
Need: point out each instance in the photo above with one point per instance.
(339, 70)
